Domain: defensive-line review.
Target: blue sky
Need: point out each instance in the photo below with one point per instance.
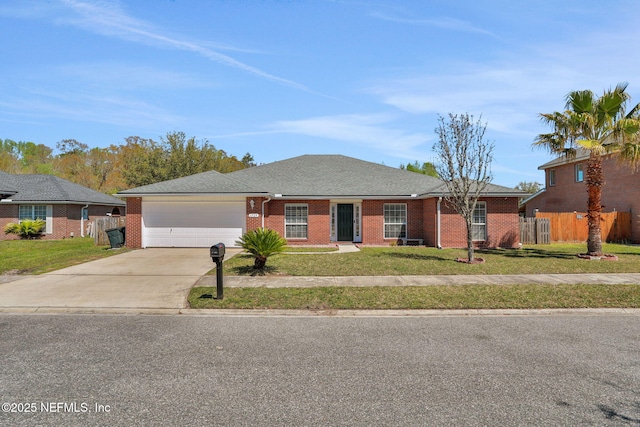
(278, 79)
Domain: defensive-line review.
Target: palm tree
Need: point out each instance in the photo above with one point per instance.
(601, 126)
(262, 243)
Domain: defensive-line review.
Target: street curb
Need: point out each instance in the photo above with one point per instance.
(87, 310)
(413, 313)
(323, 313)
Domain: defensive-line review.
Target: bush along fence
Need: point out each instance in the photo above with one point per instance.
(99, 227)
(548, 227)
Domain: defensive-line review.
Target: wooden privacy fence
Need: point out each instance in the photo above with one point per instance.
(534, 231)
(99, 226)
(572, 226)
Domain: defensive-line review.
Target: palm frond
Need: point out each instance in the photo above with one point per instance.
(262, 243)
(634, 113)
(580, 101)
(630, 154)
(26, 229)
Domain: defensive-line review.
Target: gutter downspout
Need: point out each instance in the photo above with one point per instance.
(438, 245)
(263, 203)
(82, 219)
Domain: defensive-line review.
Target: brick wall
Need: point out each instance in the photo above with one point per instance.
(62, 214)
(503, 227)
(133, 237)
(621, 192)
(502, 224)
(255, 222)
(66, 219)
(318, 227)
(430, 221)
(8, 213)
(373, 221)
(453, 232)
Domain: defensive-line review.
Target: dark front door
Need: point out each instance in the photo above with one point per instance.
(345, 223)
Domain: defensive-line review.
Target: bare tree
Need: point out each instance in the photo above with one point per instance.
(465, 165)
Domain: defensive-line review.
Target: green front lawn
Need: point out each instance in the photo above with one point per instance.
(389, 261)
(41, 256)
(427, 297)
(392, 261)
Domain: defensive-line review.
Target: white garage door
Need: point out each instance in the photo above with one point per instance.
(192, 222)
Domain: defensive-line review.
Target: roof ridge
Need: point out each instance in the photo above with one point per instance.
(59, 186)
(44, 188)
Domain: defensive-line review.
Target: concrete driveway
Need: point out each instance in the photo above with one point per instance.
(145, 279)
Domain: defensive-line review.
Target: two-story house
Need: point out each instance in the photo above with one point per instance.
(566, 191)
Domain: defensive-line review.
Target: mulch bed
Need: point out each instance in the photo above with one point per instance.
(605, 257)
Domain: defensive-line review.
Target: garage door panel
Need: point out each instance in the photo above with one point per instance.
(192, 224)
(204, 215)
(191, 237)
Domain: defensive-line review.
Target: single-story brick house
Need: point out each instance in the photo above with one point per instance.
(566, 191)
(313, 200)
(66, 207)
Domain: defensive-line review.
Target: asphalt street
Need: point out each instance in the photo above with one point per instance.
(122, 370)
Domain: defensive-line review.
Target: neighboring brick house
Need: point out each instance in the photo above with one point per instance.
(67, 208)
(566, 191)
(314, 200)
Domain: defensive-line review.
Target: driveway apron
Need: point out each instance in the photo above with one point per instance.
(145, 279)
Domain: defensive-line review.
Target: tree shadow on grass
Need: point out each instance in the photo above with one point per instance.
(527, 253)
(625, 251)
(248, 270)
(414, 256)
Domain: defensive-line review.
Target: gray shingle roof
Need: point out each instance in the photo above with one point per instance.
(5, 186)
(310, 176)
(335, 175)
(52, 189)
(205, 182)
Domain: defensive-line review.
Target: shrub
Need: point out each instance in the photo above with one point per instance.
(26, 229)
(262, 243)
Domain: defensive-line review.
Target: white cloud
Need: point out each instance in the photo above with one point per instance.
(508, 96)
(443, 22)
(108, 18)
(369, 131)
(82, 107)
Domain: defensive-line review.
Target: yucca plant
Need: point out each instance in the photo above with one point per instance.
(262, 243)
(26, 229)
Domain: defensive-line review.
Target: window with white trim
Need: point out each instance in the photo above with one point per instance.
(295, 221)
(32, 212)
(552, 177)
(479, 223)
(395, 220)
